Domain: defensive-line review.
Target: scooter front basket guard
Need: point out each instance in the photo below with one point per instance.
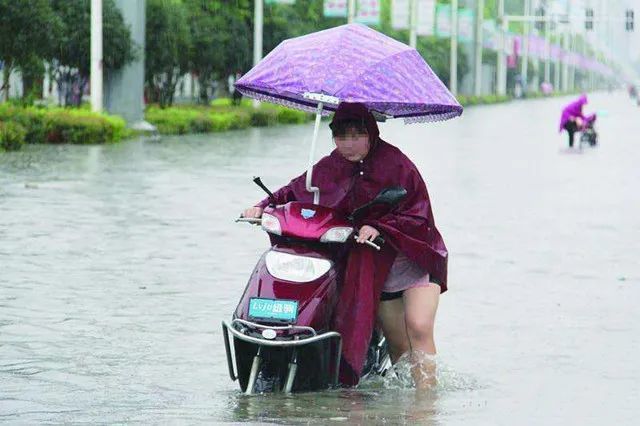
(227, 328)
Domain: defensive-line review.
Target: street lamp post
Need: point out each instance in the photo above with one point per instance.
(501, 66)
(556, 65)
(351, 11)
(477, 67)
(96, 56)
(547, 53)
(258, 23)
(525, 45)
(413, 23)
(453, 62)
(565, 65)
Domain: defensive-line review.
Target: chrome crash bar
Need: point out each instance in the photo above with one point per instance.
(228, 328)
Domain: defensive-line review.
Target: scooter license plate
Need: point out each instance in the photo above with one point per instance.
(278, 310)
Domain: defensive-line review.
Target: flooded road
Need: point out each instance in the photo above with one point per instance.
(117, 264)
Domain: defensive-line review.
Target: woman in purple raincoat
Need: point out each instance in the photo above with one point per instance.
(401, 284)
(573, 119)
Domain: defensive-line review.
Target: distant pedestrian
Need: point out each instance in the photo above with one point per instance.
(573, 118)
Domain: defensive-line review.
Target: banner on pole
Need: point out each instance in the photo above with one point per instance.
(368, 12)
(400, 14)
(465, 24)
(443, 20)
(426, 17)
(335, 8)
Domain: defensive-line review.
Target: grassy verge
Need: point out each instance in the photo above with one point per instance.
(220, 116)
(20, 125)
(495, 99)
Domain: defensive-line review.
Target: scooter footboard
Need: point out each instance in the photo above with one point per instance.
(308, 363)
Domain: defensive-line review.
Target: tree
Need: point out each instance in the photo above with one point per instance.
(286, 21)
(219, 40)
(167, 49)
(73, 47)
(26, 30)
(435, 51)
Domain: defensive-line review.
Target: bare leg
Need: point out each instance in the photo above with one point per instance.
(391, 316)
(420, 306)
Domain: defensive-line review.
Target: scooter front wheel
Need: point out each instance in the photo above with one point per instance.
(267, 382)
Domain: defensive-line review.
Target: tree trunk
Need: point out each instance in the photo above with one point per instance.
(32, 84)
(82, 83)
(6, 74)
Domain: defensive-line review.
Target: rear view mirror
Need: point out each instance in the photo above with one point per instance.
(391, 196)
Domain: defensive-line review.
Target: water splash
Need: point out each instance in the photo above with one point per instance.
(401, 375)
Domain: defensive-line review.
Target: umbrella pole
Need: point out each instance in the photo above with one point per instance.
(316, 129)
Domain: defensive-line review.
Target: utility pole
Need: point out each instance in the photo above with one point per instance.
(565, 66)
(453, 62)
(536, 62)
(501, 69)
(413, 23)
(547, 52)
(525, 45)
(583, 80)
(351, 14)
(556, 66)
(477, 63)
(96, 55)
(572, 74)
(258, 22)
(124, 88)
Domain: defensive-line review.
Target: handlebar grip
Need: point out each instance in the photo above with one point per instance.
(369, 243)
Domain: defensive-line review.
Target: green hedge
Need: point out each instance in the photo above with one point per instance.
(181, 120)
(494, 99)
(482, 100)
(81, 127)
(59, 125)
(220, 116)
(12, 136)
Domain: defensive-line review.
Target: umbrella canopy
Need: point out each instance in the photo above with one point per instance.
(351, 63)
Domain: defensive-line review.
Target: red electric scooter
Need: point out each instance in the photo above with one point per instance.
(280, 336)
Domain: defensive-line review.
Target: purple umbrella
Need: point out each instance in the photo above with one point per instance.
(350, 63)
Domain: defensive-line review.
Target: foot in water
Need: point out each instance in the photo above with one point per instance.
(417, 370)
(423, 370)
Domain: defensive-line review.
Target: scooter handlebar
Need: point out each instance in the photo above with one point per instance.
(254, 220)
(371, 243)
(376, 243)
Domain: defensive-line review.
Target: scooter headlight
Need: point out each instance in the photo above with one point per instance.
(336, 235)
(291, 267)
(271, 224)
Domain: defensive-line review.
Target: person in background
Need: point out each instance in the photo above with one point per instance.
(573, 119)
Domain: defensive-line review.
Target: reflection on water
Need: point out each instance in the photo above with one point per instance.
(118, 263)
(392, 399)
(388, 406)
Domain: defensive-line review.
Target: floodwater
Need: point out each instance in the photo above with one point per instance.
(118, 262)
